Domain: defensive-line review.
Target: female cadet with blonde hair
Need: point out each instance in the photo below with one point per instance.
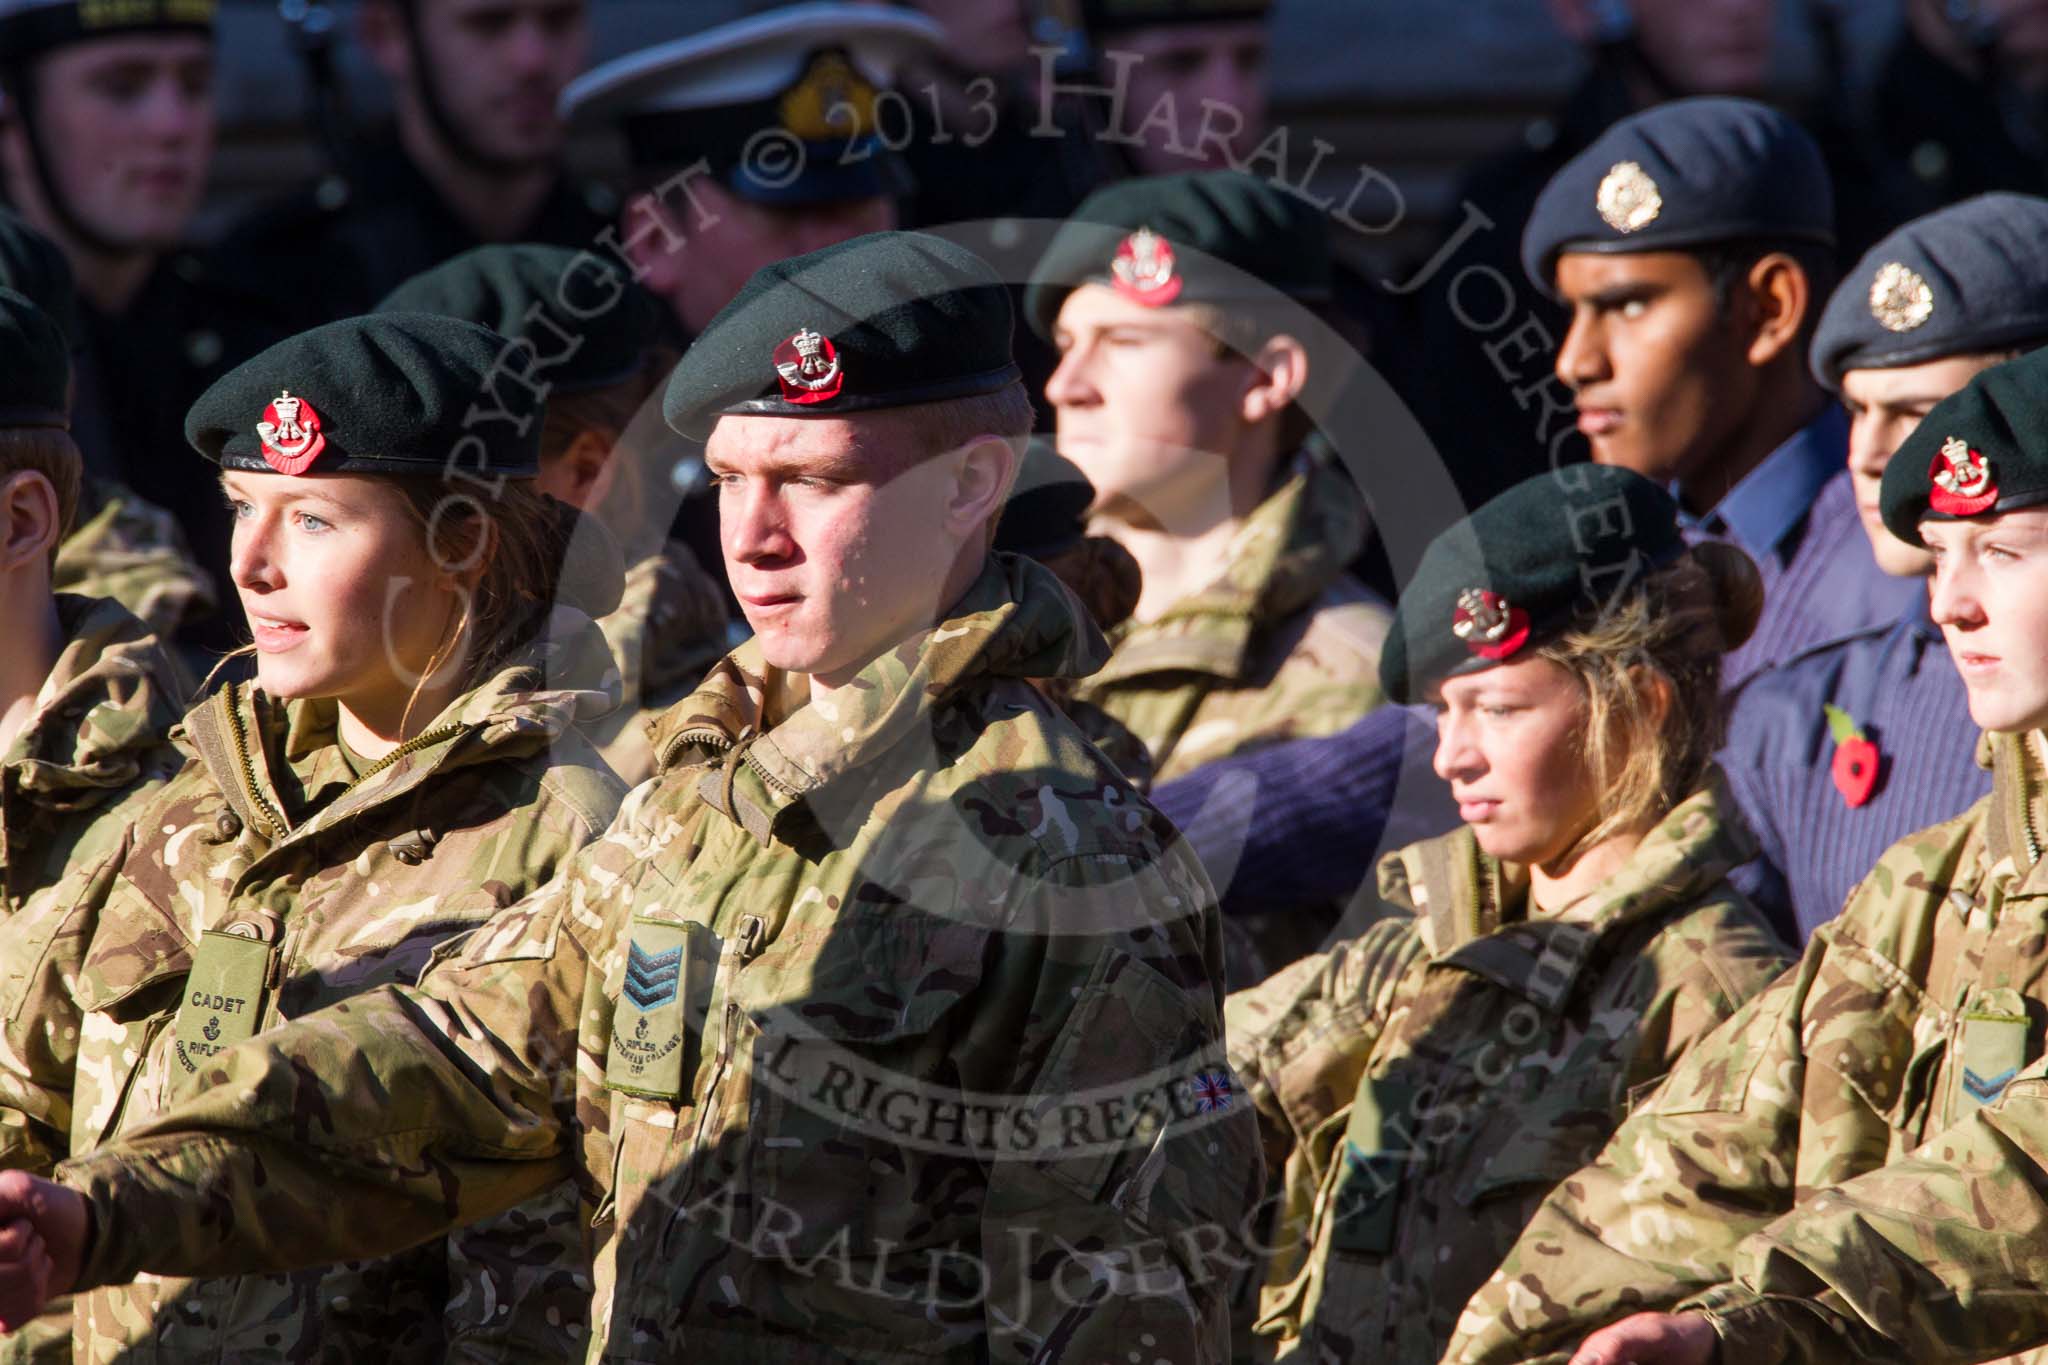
(405, 763)
(1422, 1086)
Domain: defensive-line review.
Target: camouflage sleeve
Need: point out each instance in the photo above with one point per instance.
(1099, 1238)
(1706, 1161)
(1937, 1257)
(1300, 1039)
(41, 952)
(135, 553)
(423, 1109)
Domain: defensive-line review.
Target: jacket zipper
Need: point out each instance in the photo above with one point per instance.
(724, 743)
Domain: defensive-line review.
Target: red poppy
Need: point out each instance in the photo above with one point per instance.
(1855, 769)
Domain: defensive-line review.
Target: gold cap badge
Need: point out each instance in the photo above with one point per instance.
(1899, 299)
(1628, 198)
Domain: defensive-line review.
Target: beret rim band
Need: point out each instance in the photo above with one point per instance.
(16, 419)
(2009, 502)
(968, 386)
(1044, 299)
(2031, 327)
(1638, 244)
(331, 461)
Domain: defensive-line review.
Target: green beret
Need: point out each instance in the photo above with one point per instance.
(1047, 513)
(888, 320)
(1517, 573)
(390, 393)
(1683, 175)
(587, 324)
(1111, 16)
(1981, 451)
(35, 366)
(1195, 237)
(32, 264)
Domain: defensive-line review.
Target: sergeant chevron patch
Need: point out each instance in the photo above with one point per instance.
(652, 978)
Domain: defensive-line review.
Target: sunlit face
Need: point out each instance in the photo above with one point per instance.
(126, 128)
(1144, 402)
(1660, 374)
(1884, 406)
(1511, 742)
(499, 67)
(1188, 76)
(1708, 47)
(1989, 595)
(342, 595)
(834, 549)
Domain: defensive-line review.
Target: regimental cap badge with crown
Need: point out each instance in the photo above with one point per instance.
(807, 366)
(1960, 480)
(1491, 627)
(1144, 269)
(290, 434)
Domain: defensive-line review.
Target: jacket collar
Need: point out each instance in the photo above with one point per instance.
(1474, 905)
(770, 745)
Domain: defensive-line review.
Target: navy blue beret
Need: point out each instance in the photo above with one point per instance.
(1685, 174)
(1971, 277)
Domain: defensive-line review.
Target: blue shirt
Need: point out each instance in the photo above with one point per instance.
(1795, 515)
(1302, 824)
(1901, 689)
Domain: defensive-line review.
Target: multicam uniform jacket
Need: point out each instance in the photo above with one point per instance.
(667, 631)
(1424, 1085)
(88, 761)
(1798, 1176)
(1284, 644)
(265, 881)
(871, 1015)
(127, 549)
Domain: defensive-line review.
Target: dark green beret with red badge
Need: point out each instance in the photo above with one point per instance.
(889, 320)
(1552, 551)
(35, 365)
(587, 324)
(1217, 237)
(1981, 451)
(389, 393)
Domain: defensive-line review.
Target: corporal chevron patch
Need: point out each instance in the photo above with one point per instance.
(1984, 1090)
(652, 978)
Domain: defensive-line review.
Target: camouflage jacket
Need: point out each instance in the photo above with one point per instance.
(669, 628)
(132, 551)
(1798, 1175)
(86, 764)
(882, 1024)
(1284, 644)
(1424, 1086)
(266, 881)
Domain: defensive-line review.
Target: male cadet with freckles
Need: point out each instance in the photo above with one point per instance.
(750, 143)
(106, 133)
(1851, 1168)
(1692, 245)
(472, 154)
(1842, 750)
(884, 1022)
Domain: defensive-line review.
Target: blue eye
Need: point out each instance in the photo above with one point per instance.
(315, 524)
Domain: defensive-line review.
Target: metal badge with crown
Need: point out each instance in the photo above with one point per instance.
(807, 366)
